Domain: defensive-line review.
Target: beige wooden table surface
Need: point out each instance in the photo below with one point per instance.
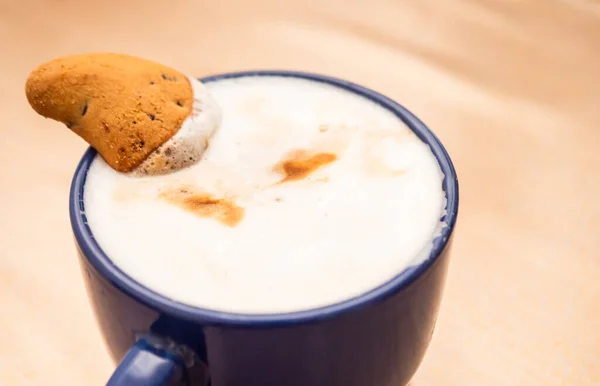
(511, 87)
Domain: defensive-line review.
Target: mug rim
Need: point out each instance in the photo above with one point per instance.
(102, 263)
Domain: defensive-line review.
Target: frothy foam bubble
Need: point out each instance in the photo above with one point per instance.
(186, 147)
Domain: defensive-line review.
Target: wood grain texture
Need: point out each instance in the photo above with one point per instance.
(510, 86)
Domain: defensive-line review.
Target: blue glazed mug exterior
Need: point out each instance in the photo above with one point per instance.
(376, 339)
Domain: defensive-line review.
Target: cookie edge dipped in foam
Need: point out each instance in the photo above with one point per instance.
(142, 117)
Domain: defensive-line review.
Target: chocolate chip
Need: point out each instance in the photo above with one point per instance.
(84, 110)
(152, 116)
(169, 78)
(134, 122)
(151, 82)
(70, 124)
(122, 149)
(179, 104)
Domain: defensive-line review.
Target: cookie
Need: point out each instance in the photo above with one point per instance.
(139, 115)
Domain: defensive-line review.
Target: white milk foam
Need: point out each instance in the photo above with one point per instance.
(288, 245)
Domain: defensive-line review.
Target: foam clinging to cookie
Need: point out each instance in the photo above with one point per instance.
(189, 143)
(134, 112)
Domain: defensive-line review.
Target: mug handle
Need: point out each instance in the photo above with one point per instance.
(148, 365)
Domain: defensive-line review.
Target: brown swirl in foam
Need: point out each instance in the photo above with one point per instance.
(202, 204)
(299, 164)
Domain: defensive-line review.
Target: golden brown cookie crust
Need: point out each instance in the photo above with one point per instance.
(125, 107)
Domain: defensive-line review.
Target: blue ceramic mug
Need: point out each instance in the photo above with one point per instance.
(376, 339)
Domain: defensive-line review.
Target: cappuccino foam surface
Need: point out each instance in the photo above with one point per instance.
(306, 196)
